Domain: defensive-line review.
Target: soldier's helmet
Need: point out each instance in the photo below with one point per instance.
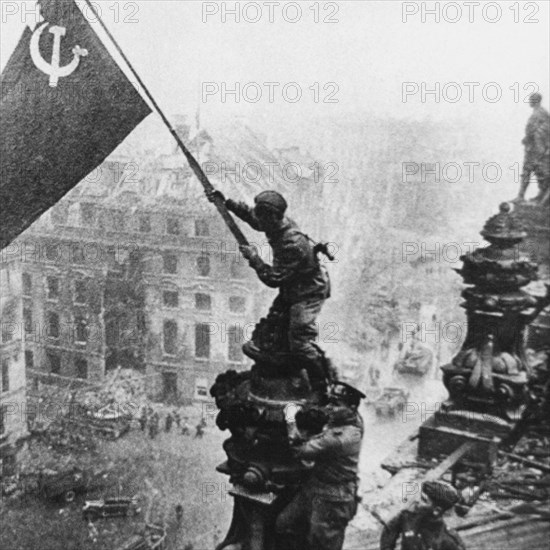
(535, 98)
(271, 200)
(342, 391)
(442, 494)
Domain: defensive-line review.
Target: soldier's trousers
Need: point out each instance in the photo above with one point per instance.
(318, 515)
(301, 324)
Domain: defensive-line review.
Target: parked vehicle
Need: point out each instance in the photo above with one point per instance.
(62, 484)
(108, 422)
(391, 401)
(418, 360)
(110, 507)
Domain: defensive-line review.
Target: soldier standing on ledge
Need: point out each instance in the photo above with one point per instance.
(537, 151)
(423, 528)
(317, 517)
(302, 282)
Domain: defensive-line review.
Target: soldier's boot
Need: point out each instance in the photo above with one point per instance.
(315, 371)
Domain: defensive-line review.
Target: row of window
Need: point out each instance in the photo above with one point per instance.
(173, 226)
(237, 266)
(170, 267)
(237, 304)
(117, 220)
(203, 302)
(80, 295)
(53, 330)
(203, 333)
(53, 359)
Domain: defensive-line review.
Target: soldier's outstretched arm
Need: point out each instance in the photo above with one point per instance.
(244, 212)
(347, 440)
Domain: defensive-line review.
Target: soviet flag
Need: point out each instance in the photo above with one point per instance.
(65, 106)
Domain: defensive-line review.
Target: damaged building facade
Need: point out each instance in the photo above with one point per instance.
(135, 269)
(13, 403)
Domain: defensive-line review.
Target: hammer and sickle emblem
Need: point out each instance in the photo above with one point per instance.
(53, 69)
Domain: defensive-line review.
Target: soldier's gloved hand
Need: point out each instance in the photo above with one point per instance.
(249, 252)
(215, 195)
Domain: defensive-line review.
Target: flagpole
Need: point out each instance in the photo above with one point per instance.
(195, 166)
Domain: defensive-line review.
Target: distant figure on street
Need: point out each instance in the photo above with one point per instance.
(537, 151)
(168, 421)
(200, 429)
(154, 422)
(177, 418)
(179, 513)
(423, 527)
(186, 429)
(143, 419)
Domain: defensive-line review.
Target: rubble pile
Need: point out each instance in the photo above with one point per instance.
(123, 389)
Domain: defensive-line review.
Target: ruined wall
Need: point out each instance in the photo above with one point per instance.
(12, 378)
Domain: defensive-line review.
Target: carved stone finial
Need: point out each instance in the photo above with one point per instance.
(504, 226)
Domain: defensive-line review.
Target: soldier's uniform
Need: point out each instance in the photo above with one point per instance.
(302, 281)
(327, 502)
(420, 528)
(537, 150)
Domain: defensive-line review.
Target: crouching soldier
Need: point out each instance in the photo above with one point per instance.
(423, 528)
(317, 517)
(302, 281)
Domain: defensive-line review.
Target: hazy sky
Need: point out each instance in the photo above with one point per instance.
(363, 58)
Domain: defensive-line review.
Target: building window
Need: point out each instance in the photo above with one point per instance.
(202, 340)
(3, 416)
(237, 304)
(29, 359)
(52, 288)
(81, 330)
(144, 224)
(170, 264)
(80, 288)
(234, 341)
(5, 375)
(27, 319)
(8, 329)
(54, 362)
(203, 265)
(201, 388)
(81, 368)
(53, 325)
(201, 228)
(170, 298)
(237, 267)
(170, 340)
(27, 284)
(172, 226)
(203, 302)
